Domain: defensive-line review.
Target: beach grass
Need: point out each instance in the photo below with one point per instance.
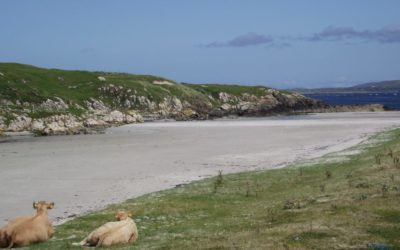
(341, 201)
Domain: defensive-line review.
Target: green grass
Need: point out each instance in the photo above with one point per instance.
(237, 90)
(276, 209)
(33, 85)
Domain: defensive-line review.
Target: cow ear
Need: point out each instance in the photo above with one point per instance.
(51, 205)
(35, 205)
(130, 214)
(116, 215)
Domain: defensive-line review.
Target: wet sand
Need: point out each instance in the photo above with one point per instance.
(85, 172)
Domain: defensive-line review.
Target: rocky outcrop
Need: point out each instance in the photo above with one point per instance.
(54, 105)
(96, 105)
(273, 101)
(67, 123)
(19, 123)
(352, 108)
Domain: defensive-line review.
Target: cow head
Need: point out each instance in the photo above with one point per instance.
(42, 205)
(122, 215)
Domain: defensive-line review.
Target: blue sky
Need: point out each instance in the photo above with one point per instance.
(282, 43)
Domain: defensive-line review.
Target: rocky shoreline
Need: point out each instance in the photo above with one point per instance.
(57, 102)
(98, 116)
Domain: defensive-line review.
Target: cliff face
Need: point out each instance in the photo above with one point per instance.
(48, 101)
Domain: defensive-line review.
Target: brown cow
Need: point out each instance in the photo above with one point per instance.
(24, 231)
(6, 231)
(123, 230)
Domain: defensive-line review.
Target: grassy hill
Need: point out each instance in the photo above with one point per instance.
(379, 86)
(383, 86)
(33, 84)
(33, 98)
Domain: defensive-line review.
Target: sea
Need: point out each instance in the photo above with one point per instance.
(390, 100)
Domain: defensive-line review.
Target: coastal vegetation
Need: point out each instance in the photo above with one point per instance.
(345, 200)
(52, 101)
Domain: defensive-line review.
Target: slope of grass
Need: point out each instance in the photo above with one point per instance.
(237, 90)
(34, 85)
(338, 205)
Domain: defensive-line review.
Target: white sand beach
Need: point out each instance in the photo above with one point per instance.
(85, 172)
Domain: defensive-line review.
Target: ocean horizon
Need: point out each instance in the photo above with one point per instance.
(389, 100)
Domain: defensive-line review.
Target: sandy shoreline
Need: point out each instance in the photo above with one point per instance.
(85, 172)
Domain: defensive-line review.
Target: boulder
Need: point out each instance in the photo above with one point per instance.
(20, 123)
(90, 122)
(54, 105)
(226, 107)
(37, 125)
(54, 128)
(96, 105)
(114, 117)
(176, 104)
(133, 117)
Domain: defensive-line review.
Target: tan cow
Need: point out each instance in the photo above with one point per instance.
(123, 230)
(6, 231)
(23, 231)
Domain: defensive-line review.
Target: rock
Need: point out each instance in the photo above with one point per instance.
(225, 97)
(54, 105)
(90, 122)
(247, 107)
(37, 125)
(130, 119)
(1, 74)
(6, 102)
(70, 122)
(54, 128)
(101, 78)
(127, 103)
(269, 100)
(96, 105)
(177, 104)
(170, 107)
(249, 98)
(61, 124)
(114, 117)
(136, 116)
(20, 123)
(226, 107)
(190, 113)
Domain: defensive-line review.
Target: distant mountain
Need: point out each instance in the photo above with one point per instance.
(373, 87)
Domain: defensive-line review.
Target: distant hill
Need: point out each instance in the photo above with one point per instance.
(373, 87)
(380, 86)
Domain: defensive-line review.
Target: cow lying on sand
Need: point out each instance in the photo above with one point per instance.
(23, 231)
(123, 230)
